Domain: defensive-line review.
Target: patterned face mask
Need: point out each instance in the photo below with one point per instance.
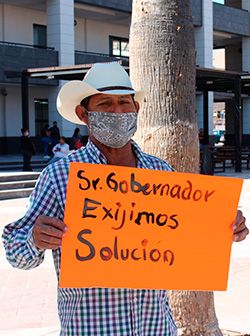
(112, 129)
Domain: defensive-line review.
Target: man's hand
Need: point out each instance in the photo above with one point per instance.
(48, 232)
(240, 230)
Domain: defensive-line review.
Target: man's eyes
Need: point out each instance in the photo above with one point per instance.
(104, 103)
(125, 102)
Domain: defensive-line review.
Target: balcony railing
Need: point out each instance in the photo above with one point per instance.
(92, 57)
(16, 57)
(15, 44)
(231, 20)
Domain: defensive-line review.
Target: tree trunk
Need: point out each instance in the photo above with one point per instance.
(162, 61)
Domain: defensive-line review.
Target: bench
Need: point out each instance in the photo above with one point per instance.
(224, 157)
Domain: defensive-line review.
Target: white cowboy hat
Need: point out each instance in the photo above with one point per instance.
(105, 78)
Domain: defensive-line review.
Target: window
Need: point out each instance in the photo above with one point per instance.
(222, 2)
(219, 58)
(118, 46)
(41, 115)
(39, 35)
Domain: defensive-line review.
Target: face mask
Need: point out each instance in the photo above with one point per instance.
(112, 129)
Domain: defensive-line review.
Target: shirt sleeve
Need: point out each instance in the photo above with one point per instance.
(54, 148)
(21, 251)
(65, 149)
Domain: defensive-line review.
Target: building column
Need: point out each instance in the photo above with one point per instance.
(199, 109)
(61, 36)
(204, 55)
(233, 57)
(246, 67)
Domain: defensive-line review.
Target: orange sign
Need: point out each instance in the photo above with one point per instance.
(138, 228)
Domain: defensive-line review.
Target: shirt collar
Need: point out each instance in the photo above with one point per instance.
(98, 157)
(95, 153)
(142, 158)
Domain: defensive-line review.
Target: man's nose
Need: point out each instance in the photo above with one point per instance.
(117, 108)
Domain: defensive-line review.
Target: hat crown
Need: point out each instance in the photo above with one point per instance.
(103, 75)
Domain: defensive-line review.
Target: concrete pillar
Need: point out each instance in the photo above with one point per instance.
(245, 4)
(230, 123)
(246, 67)
(204, 54)
(199, 109)
(60, 35)
(204, 36)
(60, 29)
(234, 57)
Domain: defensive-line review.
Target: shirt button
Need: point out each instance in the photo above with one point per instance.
(135, 300)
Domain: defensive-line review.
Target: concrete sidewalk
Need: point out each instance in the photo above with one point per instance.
(28, 298)
(233, 306)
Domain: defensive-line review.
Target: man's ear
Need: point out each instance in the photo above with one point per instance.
(81, 114)
(137, 106)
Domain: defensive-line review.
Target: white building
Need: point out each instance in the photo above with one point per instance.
(40, 33)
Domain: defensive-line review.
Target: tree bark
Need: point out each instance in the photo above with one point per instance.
(162, 61)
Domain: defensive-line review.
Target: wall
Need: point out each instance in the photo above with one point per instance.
(1, 22)
(80, 34)
(93, 36)
(231, 20)
(95, 39)
(204, 57)
(98, 35)
(18, 23)
(124, 5)
(196, 9)
(2, 113)
(14, 109)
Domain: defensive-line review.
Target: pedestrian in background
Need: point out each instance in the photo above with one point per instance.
(27, 149)
(45, 141)
(76, 139)
(60, 150)
(55, 132)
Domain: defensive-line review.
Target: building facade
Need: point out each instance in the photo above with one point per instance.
(40, 33)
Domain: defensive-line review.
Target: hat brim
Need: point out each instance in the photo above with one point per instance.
(73, 92)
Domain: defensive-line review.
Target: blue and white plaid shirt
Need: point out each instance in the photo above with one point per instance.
(88, 311)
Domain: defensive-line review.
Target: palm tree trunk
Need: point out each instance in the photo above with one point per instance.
(162, 60)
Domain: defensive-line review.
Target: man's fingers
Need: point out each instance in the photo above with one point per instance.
(240, 226)
(45, 245)
(55, 222)
(51, 231)
(48, 232)
(239, 236)
(51, 240)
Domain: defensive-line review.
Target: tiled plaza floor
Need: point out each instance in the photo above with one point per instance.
(28, 298)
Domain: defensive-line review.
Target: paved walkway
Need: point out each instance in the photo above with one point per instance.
(233, 306)
(18, 157)
(28, 298)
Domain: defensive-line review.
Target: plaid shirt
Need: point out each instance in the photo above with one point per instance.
(88, 311)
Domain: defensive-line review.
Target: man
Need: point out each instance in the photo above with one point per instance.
(107, 103)
(27, 149)
(55, 132)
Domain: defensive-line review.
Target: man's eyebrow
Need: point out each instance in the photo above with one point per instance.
(124, 96)
(102, 99)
